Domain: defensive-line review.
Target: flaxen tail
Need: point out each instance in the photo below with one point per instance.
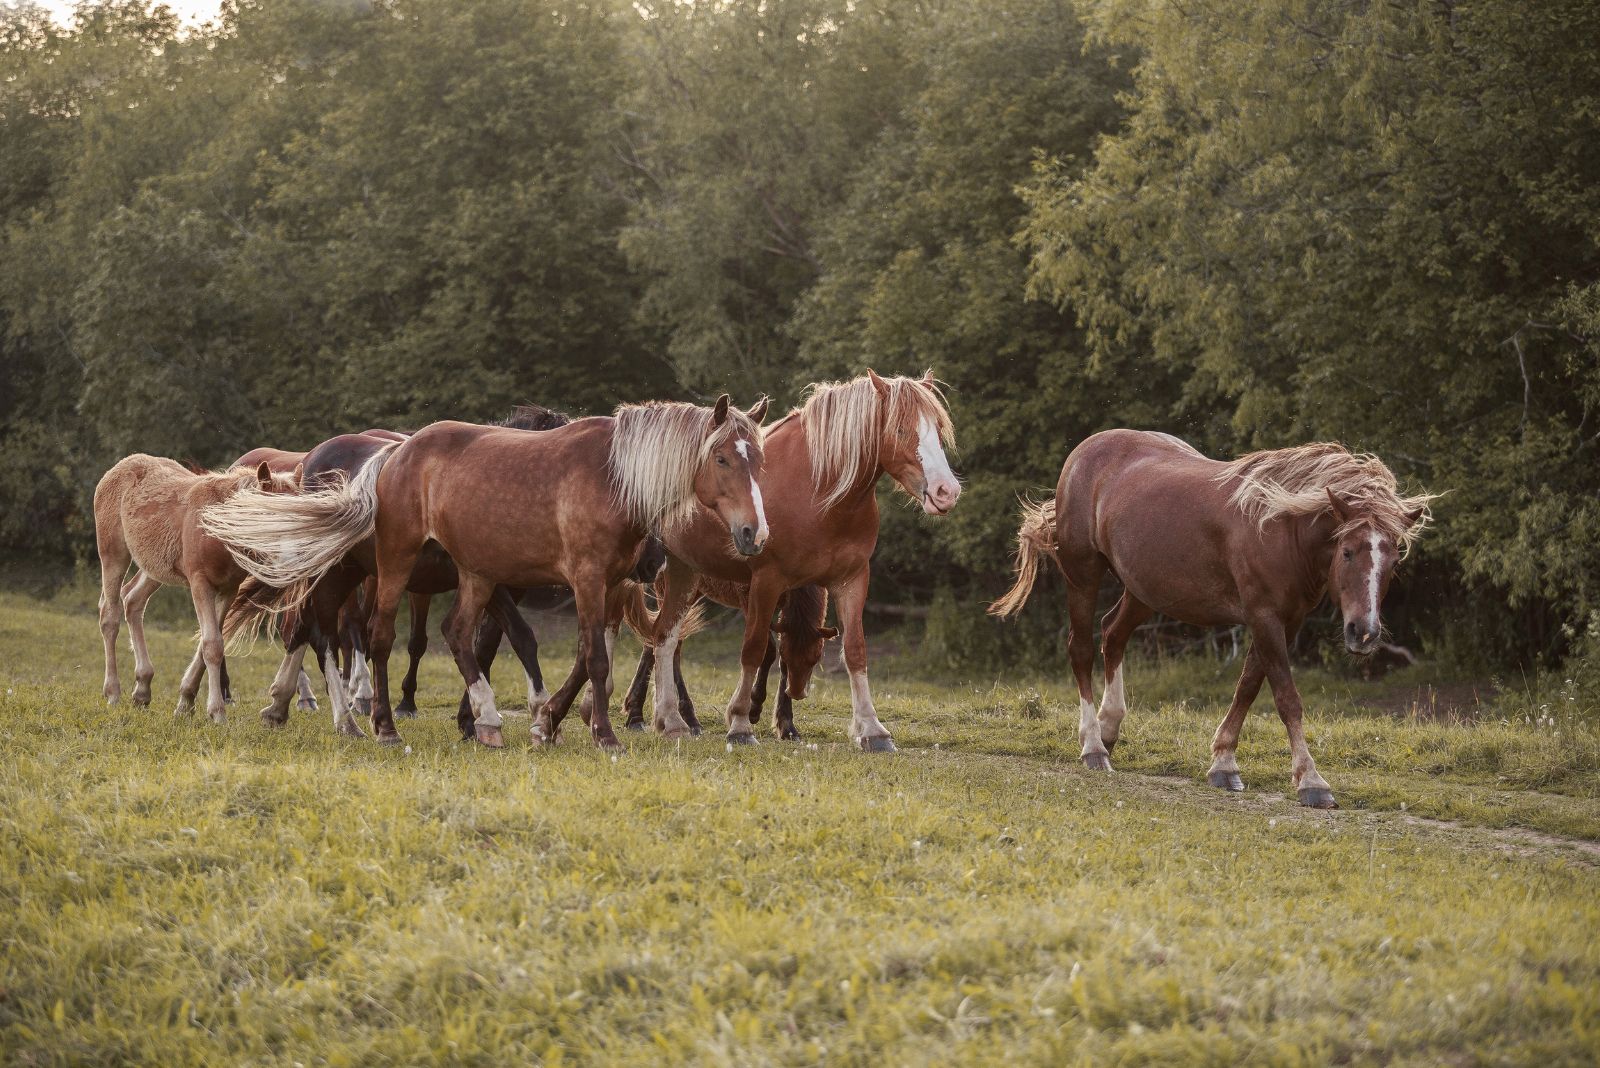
(1036, 540)
(287, 541)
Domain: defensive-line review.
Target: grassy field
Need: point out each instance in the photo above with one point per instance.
(174, 892)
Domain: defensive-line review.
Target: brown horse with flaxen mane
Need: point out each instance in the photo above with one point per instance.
(820, 477)
(570, 506)
(1257, 541)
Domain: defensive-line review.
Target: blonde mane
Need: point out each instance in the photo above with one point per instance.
(1296, 481)
(657, 447)
(844, 424)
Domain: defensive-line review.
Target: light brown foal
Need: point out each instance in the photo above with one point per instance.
(1257, 542)
(147, 514)
(819, 480)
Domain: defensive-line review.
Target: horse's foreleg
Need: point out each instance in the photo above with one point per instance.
(1119, 625)
(135, 596)
(685, 702)
(1224, 772)
(395, 564)
(758, 693)
(461, 631)
(783, 708)
(307, 701)
(327, 601)
(850, 598)
(595, 650)
(415, 647)
(285, 684)
(1271, 645)
(759, 605)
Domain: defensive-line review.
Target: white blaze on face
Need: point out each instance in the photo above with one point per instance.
(936, 474)
(743, 448)
(1369, 626)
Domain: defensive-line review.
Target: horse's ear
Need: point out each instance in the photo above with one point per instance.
(758, 410)
(719, 413)
(827, 633)
(264, 475)
(299, 475)
(877, 383)
(1341, 510)
(927, 377)
(1413, 516)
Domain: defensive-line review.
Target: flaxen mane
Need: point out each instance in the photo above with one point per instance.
(1296, 481)
(842, 421)
(657, 447)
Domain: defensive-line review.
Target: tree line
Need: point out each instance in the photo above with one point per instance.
(1248, 224)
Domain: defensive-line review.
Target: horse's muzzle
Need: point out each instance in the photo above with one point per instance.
(1361, 638)
(745, 540)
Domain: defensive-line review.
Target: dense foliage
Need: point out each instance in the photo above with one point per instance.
(1248, 224)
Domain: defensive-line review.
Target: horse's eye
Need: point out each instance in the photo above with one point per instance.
(1348, 554)
(723, 460)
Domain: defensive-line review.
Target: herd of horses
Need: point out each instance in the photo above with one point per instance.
(697, 503)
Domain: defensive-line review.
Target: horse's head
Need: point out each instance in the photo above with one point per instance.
(916, 428)
(1365, 551)
(286, 482)
(730, 464)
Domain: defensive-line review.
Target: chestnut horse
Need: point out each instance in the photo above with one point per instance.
(837, 445)
(571, 506)
(1257, 541)
(147, 513)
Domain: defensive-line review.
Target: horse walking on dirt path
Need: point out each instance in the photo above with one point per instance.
(1257, 541)
(571, 506)
(147, 513)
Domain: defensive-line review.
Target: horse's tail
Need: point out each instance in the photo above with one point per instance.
(1036, 539)
(289, 540)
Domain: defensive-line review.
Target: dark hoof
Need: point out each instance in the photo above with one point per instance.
(755, 714)
(228, 700)
(1097, 761)
(405, 711)
(881, 744)
(390, 739)
(489, 737)
(633, 725)
(694, 730)
(1226, 780)
(742, 739)
(608, 743)
(790, 735)
(306, 704)
(273, 716)
(1317, 797)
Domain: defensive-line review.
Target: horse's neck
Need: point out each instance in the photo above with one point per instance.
(1313, 535)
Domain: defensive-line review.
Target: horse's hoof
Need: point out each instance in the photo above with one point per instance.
(306, 704)
(219, 717)
(185, 708)
(790, 735)
(633, 725)
(608, 743)
(405, 712)
(489, 737)
(674, 733)
(1226, 780)
(1317, 797)
(742, 738)
(362, 707)
(694, 730)
(141, 698)
(351, 729)
(389, 738)
(228, 700)
(1097, 761)
(881, 744)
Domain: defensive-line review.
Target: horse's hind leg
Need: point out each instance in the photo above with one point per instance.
(685, 702)
(208, 605)
(1119, 625)
(1083, 573)
(135, 596)
(415, 647)
(460, 632)
(758, 693)
(1224, 771)
(505, 618)
(114, 562)
(783, 708)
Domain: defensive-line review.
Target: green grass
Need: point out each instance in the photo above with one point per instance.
(179, 893)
